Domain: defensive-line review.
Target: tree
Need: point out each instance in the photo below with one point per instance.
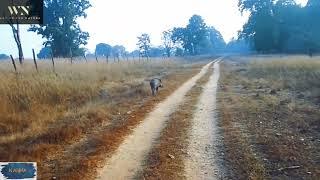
(60, 28)
(135, 53)
(3, 56)
(197, 38)
(196, 34)
(260, 28)
(157, 51)
(217, 43)
(286, 14)
(282, 26)
(17, 39)
(314, 4)
(238, 46)
(312, 26)
(179, 39)
(16, 34)
(103, 49)
(144, 45)
(193, 37)
(118, 51)
(167, 42)
(179, 51)
(45, 53)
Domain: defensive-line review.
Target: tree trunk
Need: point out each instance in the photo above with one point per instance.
(16, 35)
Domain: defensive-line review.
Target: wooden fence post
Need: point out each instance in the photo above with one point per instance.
(52, 60)
(95, 54)
(139, 57)
(85, 58)
(34, 60)
(14, 64)
(71, 56)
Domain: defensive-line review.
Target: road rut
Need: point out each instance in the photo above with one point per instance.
(201, 162)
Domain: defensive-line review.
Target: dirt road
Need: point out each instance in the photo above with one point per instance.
(126, 162)
(201, 162)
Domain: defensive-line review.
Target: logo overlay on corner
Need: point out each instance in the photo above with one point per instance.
(21, 11)
(17, 170)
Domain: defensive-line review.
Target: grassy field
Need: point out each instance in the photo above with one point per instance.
(42, 97)
(270, 113)
(65, 120)
(69, 120)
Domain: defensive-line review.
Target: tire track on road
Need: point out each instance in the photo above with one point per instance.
(202, 161)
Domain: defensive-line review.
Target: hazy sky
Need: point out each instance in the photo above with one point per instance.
(121, 21)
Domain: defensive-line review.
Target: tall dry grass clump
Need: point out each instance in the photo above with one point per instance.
(299, 74)
(30, 100)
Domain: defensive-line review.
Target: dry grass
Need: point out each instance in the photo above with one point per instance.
(31, 100)
(174, 139)
(58, 119)
(270, 116)
(299, 75)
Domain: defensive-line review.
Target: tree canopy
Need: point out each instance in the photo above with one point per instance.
(167, 42)
(45, 53)
(118, 51)
(144, 44)
(282, 26)
(197, 38)
(3, 56)
(103, 49)
(60, 28)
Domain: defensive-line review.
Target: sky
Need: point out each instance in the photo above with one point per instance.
(121, 21)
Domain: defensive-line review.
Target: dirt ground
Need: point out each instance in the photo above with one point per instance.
(166, 159)
(203, 137)
(270, 131)
(127, 161)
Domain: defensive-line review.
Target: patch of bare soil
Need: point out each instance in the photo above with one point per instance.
(127, 160)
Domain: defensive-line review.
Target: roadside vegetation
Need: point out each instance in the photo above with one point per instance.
(269, 108)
